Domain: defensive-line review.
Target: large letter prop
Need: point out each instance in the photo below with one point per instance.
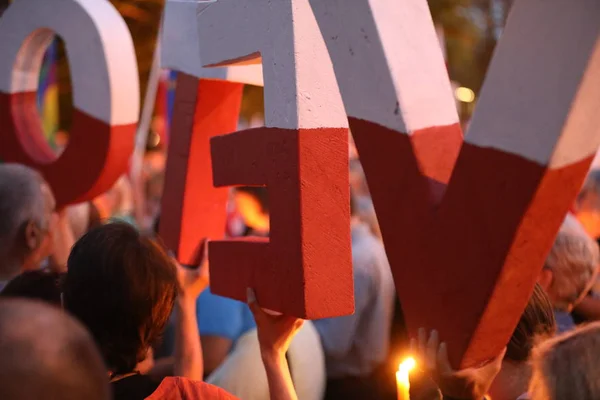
(105, 93)
(304, 269)
(207, 103)
(467, 225)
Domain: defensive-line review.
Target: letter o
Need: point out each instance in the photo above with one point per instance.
(105, 93)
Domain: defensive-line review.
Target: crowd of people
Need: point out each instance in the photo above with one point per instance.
(92, 306)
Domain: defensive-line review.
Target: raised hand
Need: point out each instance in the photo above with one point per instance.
(193, 281)
(469, 383)
(275, 332)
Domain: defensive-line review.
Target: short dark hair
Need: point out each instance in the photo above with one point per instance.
(259, 193)
(122, 286)
(537, 322)
(41, 284)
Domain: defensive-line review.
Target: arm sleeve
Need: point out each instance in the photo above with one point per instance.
(219, 316)
(337, 334)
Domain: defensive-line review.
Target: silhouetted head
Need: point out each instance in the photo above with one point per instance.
(567, 366)
(571, 266)
(537, 323)
(41, 284)
(122, 286)
(46, 354)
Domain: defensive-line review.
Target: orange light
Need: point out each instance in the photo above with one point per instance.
(464, 94)
(402, 375)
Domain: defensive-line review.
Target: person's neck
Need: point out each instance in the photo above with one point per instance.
(512, 381)
(117, 377)
(10, 268)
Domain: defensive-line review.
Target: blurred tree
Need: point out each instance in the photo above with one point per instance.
(471, 29)
(462, 33)
(465, 27)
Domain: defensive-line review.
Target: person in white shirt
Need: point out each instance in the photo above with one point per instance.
(356, 345)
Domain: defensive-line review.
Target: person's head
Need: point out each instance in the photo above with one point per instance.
(27, 219)
(567, 366)
(537, 323)
(253, 205)
(122, 286)
(45, 354)
(571, 266)
(587, 205)
(41, 284)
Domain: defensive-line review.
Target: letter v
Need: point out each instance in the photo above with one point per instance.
(467, 226)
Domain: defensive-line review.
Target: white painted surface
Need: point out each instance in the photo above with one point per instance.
(596, 161)
(300, 85)
(100, 50)
(181, 47)
(541, 98)
(388, 62)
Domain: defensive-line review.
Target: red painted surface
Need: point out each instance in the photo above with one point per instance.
(465, 255)
(305, 268)
(192, 208)
(530, 236)
(96, 155)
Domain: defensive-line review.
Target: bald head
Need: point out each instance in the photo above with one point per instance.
(26, 204)
(45, 354)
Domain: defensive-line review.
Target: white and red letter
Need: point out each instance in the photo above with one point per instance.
(467, 225)
(105, 93)
(207, 103)
(304, 269)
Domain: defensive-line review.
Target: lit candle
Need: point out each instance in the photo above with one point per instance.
(402, 381)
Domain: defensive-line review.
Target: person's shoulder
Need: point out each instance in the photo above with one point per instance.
(214, 300)
(221, 316)
(367, 249)
(179, 388)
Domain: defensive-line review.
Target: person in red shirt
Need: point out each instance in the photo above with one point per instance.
(123, 286)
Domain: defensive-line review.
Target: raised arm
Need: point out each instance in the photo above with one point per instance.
(275, 333)
(188, 350)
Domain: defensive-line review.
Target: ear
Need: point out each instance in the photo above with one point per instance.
(545, 278)
(32, 235)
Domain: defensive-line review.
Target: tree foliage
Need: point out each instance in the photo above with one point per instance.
(470, 27)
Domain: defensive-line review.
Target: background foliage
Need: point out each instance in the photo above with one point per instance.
(471, 29)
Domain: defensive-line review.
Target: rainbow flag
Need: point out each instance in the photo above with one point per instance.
(171, 84)
(48, 92)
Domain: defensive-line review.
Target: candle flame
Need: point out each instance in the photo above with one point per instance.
(407, 365)
(403, 372)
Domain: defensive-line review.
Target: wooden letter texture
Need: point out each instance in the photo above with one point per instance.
(305, 268)
(467, 225)
(207, 103)
(105, 93)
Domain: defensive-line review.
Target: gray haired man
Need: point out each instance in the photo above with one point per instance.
(28, 220)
